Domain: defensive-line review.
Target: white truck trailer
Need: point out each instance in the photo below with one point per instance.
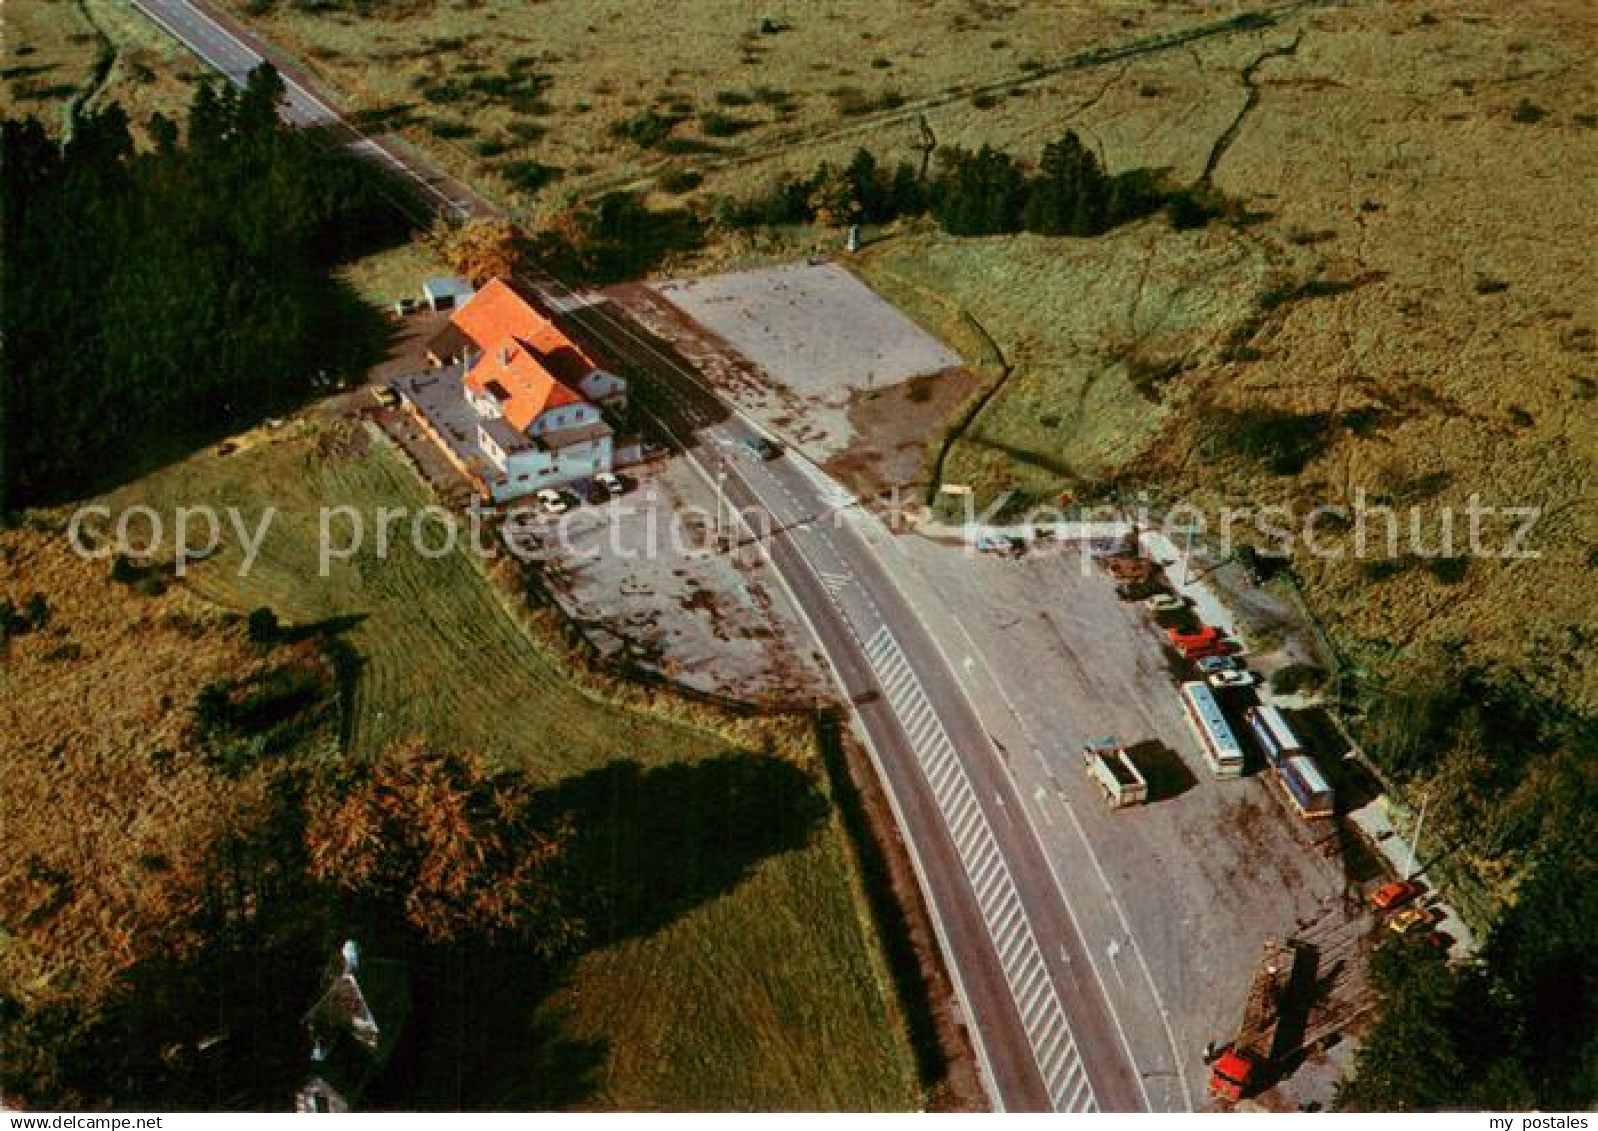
(1117, 775)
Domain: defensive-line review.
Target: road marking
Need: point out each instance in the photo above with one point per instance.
(1032, 989)
(835, 583)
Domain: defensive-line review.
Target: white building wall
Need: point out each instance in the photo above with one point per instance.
(567, 416)
(526, 472)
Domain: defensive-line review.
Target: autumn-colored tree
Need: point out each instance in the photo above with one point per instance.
(834, 200)
(479, 249)
(454, 847)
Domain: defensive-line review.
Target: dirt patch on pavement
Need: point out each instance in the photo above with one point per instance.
(641, 581)
(873, 440)
(893, 429)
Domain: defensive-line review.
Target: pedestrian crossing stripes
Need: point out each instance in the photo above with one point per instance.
(1036, 998)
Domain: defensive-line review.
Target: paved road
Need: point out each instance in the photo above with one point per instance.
(1043, 1028)
(1047, 1037)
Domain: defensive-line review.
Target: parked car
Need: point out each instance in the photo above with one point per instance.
(609, 483)
(1164, 603)
(1213, 665)
(1409, 919)
(1394, 894)
(1240, 678)
(763, 448)
(999, 544)
(552, 501)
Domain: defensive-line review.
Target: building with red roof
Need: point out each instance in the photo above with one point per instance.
(515, 401)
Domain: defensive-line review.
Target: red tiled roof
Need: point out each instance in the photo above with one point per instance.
(501, 310)
(520, 382)
(498, 311)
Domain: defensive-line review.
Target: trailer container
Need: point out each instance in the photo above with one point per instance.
(1117, 775)
(1275, 738)
(1305, 786)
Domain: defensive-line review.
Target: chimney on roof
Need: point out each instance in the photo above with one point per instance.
(504, 355)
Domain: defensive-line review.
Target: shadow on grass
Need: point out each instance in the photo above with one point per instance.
(483, 1037)
(222, 1030)
(651, 844)
(887, 912)
(655, 842)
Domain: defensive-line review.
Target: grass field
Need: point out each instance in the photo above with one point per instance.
(393, 273)
(769, 994)
(1424, 187)
(1069, 411)
(605, 93)
(57, 52)
(108, 808)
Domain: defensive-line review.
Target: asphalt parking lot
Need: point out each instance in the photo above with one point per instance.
(643, 575)
(1175, 897)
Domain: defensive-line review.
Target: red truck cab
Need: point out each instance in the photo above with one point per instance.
(1231, 1075)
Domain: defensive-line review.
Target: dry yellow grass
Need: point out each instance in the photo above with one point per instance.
(1440, 164)
(101, 50)
(109, 814)
(814, 73)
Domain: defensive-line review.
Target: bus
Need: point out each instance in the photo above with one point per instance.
(1274, 736)
(1214, 734)
(1306, 787)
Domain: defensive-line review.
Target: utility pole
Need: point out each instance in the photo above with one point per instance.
(1414, 844)
(721, 505)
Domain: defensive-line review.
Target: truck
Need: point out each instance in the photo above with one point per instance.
(1236, 1073)
(1117, 775)
(1129, 568)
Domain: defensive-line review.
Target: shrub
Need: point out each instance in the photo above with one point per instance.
(527, 175)
(647, 129)
(1528, 112)
(1282, 442)
(1449, 571)
(1293, 678)
(1187, 210)
(852, 102)
(263, 625)
(681, 180)
(716, 124)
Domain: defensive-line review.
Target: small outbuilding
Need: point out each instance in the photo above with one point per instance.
(446, 292)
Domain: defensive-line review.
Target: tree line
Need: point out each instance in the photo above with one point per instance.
(157, 298)
(979, 192)
(1511, 781)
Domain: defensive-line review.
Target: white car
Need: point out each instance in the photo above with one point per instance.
(1233, 679)
(1164, 603)
(608, 483)
(550, 499)
(1210, 665)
